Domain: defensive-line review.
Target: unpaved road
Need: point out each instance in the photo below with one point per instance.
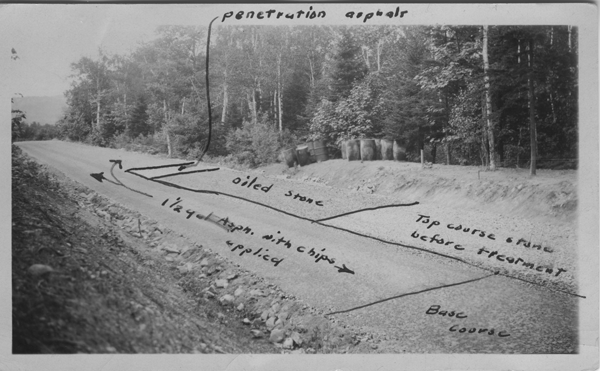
(531, 318)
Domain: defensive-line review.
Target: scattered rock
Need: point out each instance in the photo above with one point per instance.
(257, 323)
(221, 283)
(276, 336)
(227, 299)
(270, 323)
(111, 349)
(232, 276)
(204, 262)
(256, 293)
(239, 291)
(246, 321)
(256, 333)
(240, 307)
(264, 315)
(310, 351)
(296, 338)
(288, 343)
(39, 269)
(187, 267)
(298, 351)
(170, 250)
(283, 315)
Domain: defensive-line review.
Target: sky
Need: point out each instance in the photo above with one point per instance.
(48, 38)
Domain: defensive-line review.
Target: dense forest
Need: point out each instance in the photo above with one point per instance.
(471, 95)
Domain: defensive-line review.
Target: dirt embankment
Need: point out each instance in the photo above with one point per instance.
(549, 196)
(90, 276)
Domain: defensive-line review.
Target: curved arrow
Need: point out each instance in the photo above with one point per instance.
(118, 162)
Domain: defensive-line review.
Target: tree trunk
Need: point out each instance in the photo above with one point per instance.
(169, 146)
(279, 94)
(488, 99)
(125, 112)
(365, 55)
(312, 72)
(519, 148)
(98, 113)
(484, 152)
(379, 50)
(447, 142)
(252, 106)
(225, 104)
(532, 125)
(98, 103)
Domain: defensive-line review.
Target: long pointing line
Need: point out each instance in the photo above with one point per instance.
(408, 294)
(157, 167)
(368, 209)
(185, 173)
(352, 232)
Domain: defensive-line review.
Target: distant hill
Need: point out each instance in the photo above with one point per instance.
(45, 110)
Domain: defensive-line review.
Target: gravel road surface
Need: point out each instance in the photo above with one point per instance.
(348, 274)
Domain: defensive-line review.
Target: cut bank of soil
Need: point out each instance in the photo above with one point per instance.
(549, 196)
(123, 284)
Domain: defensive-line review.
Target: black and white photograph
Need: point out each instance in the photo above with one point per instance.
(324, 186)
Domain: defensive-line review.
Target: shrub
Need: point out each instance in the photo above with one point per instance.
(254, 144)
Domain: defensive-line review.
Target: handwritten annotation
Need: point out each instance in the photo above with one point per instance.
(257, 253)
(212, 218)
(279, 240)
(435, 309)
(252, 184)
(310, 14)
(301, 198)
(316, 255)
(438, 239)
